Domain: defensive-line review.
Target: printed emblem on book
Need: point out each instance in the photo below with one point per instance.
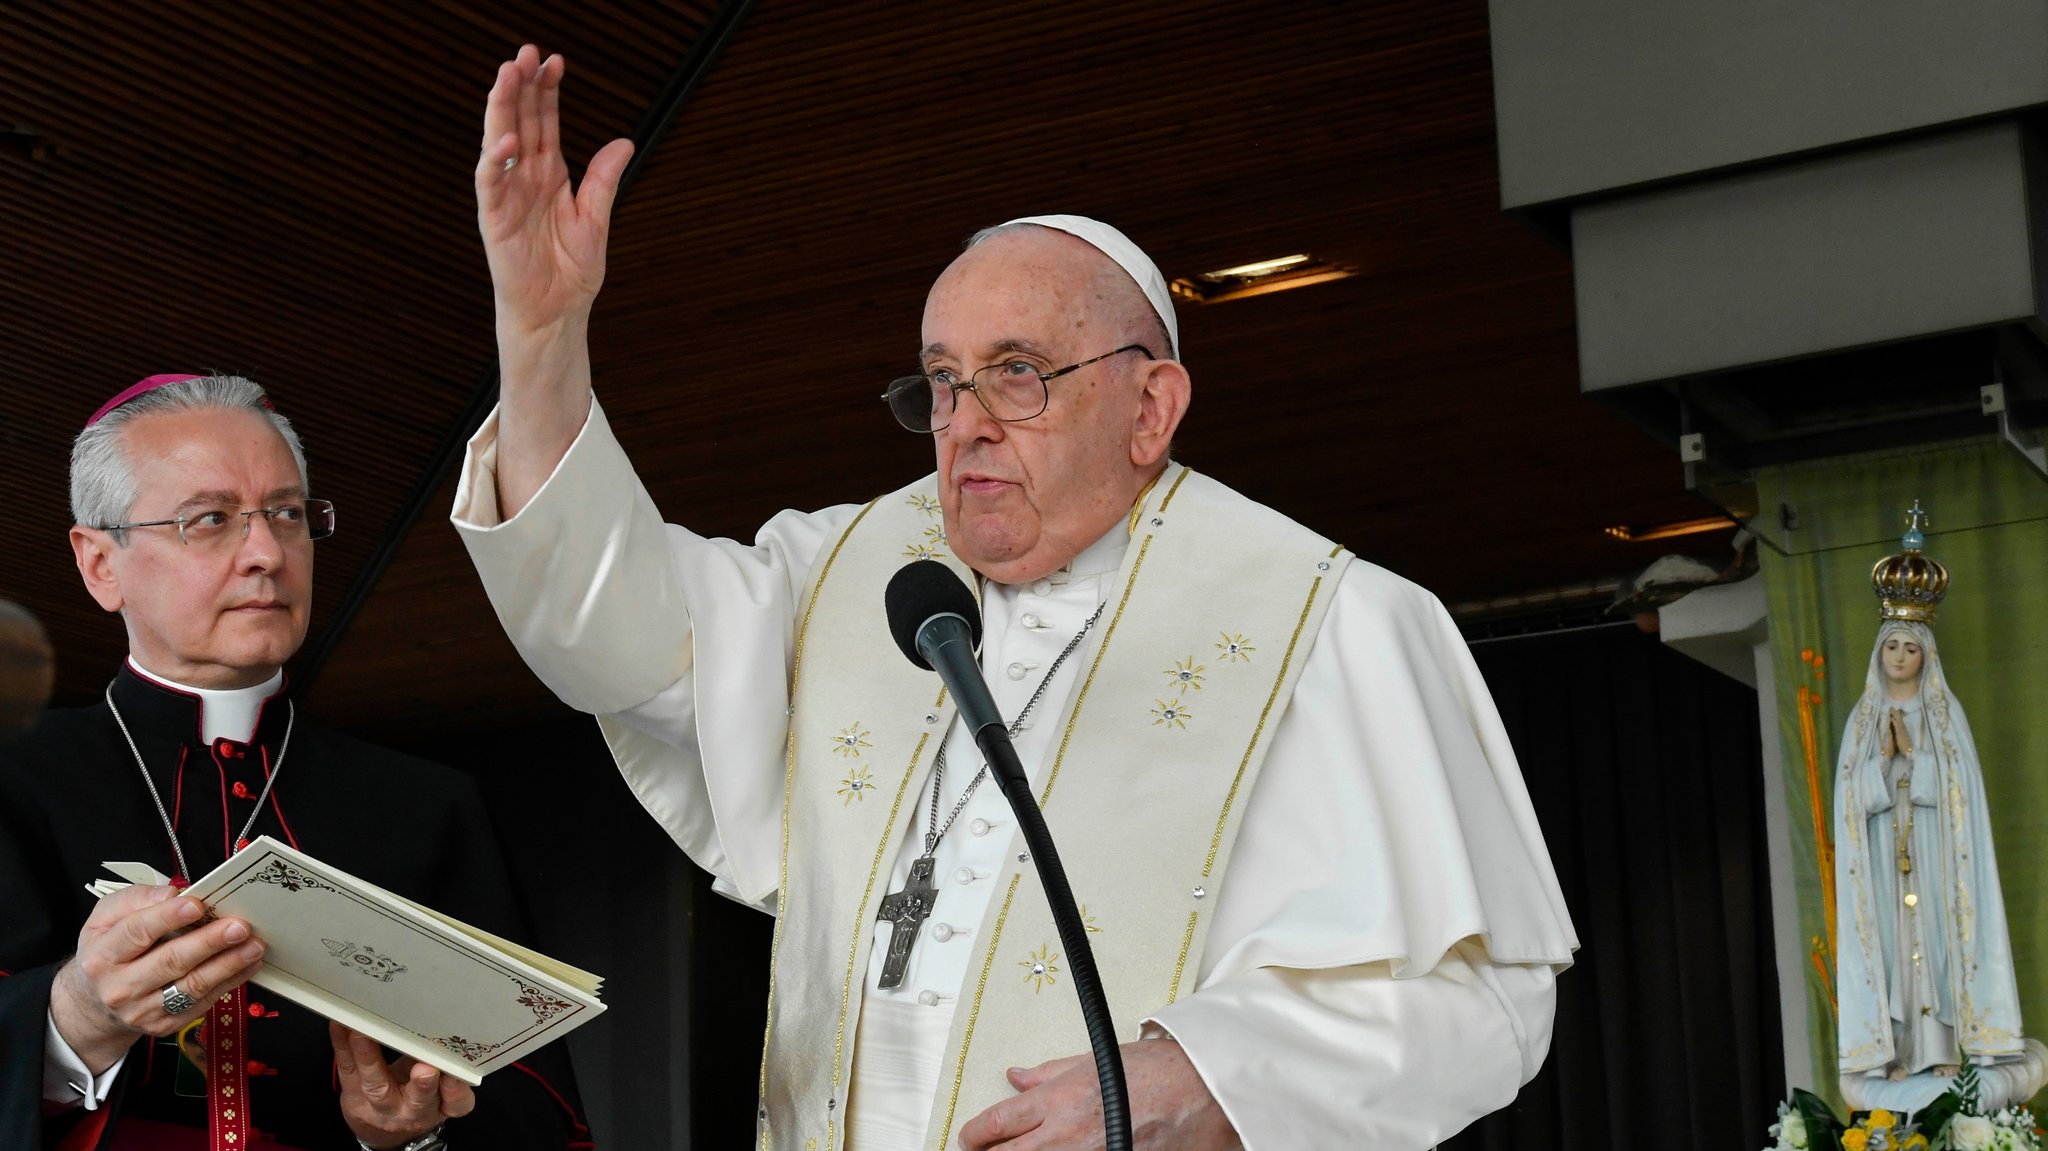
(284, 875)
(543, 1005)
(364, 959)
(470, 1050)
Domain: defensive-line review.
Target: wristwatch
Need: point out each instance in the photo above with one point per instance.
(431, 1141)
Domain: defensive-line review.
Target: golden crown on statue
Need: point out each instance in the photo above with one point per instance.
(1909, 586)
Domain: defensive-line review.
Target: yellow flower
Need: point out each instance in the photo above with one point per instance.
(1854, 1139)
(1915, 1143)
(1881, 1119)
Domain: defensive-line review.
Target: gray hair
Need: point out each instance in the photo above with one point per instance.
(102, 475)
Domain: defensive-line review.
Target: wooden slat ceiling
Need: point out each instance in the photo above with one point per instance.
(286, 193)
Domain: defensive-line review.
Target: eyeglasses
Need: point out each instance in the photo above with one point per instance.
(214, 527)
(1011, 391)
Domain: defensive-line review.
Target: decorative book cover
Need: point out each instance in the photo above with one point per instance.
(420, 983)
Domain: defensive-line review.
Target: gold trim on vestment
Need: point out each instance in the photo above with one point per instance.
(1108, 634)
(988, 963)
(1180, 965)
(863, 925)
(788, 789)
(1177, 482)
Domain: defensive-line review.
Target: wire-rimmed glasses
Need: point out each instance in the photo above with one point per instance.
(212, 527)
(1011, 391)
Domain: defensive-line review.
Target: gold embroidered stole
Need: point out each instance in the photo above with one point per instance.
(1207, 626)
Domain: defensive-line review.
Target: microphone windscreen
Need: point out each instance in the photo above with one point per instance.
(923, 589)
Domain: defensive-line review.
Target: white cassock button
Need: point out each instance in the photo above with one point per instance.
(977, 826)
(942, 931)
(1041, 586)
(1030, 621)
(928, 998)
(1016, 671)
(964, 875)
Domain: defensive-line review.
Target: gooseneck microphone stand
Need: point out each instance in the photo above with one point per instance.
(937, 624)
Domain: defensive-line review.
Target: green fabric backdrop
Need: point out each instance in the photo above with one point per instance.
(1988, 523)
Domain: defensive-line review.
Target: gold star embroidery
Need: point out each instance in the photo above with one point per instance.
(1040, 968)
(1235, 648)
(935, 534)
(1087, 920)
(925, 504)
(850, 740)
(921, 552)
(1170, 713)
(1186, 674)
(854, 786)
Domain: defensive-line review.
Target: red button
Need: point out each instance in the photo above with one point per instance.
(241, 790)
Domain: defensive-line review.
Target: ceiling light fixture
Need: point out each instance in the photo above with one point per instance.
(1666, 531)
(1258, 278)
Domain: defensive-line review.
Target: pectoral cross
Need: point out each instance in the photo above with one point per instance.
(907, 909)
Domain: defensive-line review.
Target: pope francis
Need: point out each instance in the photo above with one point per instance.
(1319, 897)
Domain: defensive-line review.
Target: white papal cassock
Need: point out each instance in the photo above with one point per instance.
(1301, 838)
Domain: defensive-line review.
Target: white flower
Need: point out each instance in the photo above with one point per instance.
(1970, 1133)
(1795, 1131)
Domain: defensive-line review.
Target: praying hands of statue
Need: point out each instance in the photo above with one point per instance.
(137, 943)
(1059, 1105)
(391, 1104)
(545, 242)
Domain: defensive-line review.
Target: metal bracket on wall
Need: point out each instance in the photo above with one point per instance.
(2027, 443)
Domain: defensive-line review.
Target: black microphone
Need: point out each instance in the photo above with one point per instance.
(935, 621)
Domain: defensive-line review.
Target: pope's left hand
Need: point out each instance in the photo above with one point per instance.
(391, 1104)
(1059, 1105)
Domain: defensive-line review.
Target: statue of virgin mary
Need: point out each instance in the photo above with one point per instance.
(1924, 967)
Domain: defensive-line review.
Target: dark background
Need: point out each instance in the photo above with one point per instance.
(285, 193)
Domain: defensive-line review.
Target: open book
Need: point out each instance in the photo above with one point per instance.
(420, 983)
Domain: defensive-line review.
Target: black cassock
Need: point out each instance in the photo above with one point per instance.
(72, 796)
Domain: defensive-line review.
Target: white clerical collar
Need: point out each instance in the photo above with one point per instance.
(224, 713)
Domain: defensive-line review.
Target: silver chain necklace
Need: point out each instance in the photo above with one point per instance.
(909, 908)
(934, 830)
(185, 872)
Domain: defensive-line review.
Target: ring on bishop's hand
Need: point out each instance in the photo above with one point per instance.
(511, 162)
(177, 1002)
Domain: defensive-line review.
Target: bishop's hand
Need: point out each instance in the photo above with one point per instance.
(137, 943)
(546, 245)
(391, 1104)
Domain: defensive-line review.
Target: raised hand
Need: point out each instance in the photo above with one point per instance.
(545, 241)
(112, 991)
(546, 245)
(391, 1104)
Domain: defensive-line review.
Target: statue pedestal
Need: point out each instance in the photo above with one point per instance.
(1998, 1085)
